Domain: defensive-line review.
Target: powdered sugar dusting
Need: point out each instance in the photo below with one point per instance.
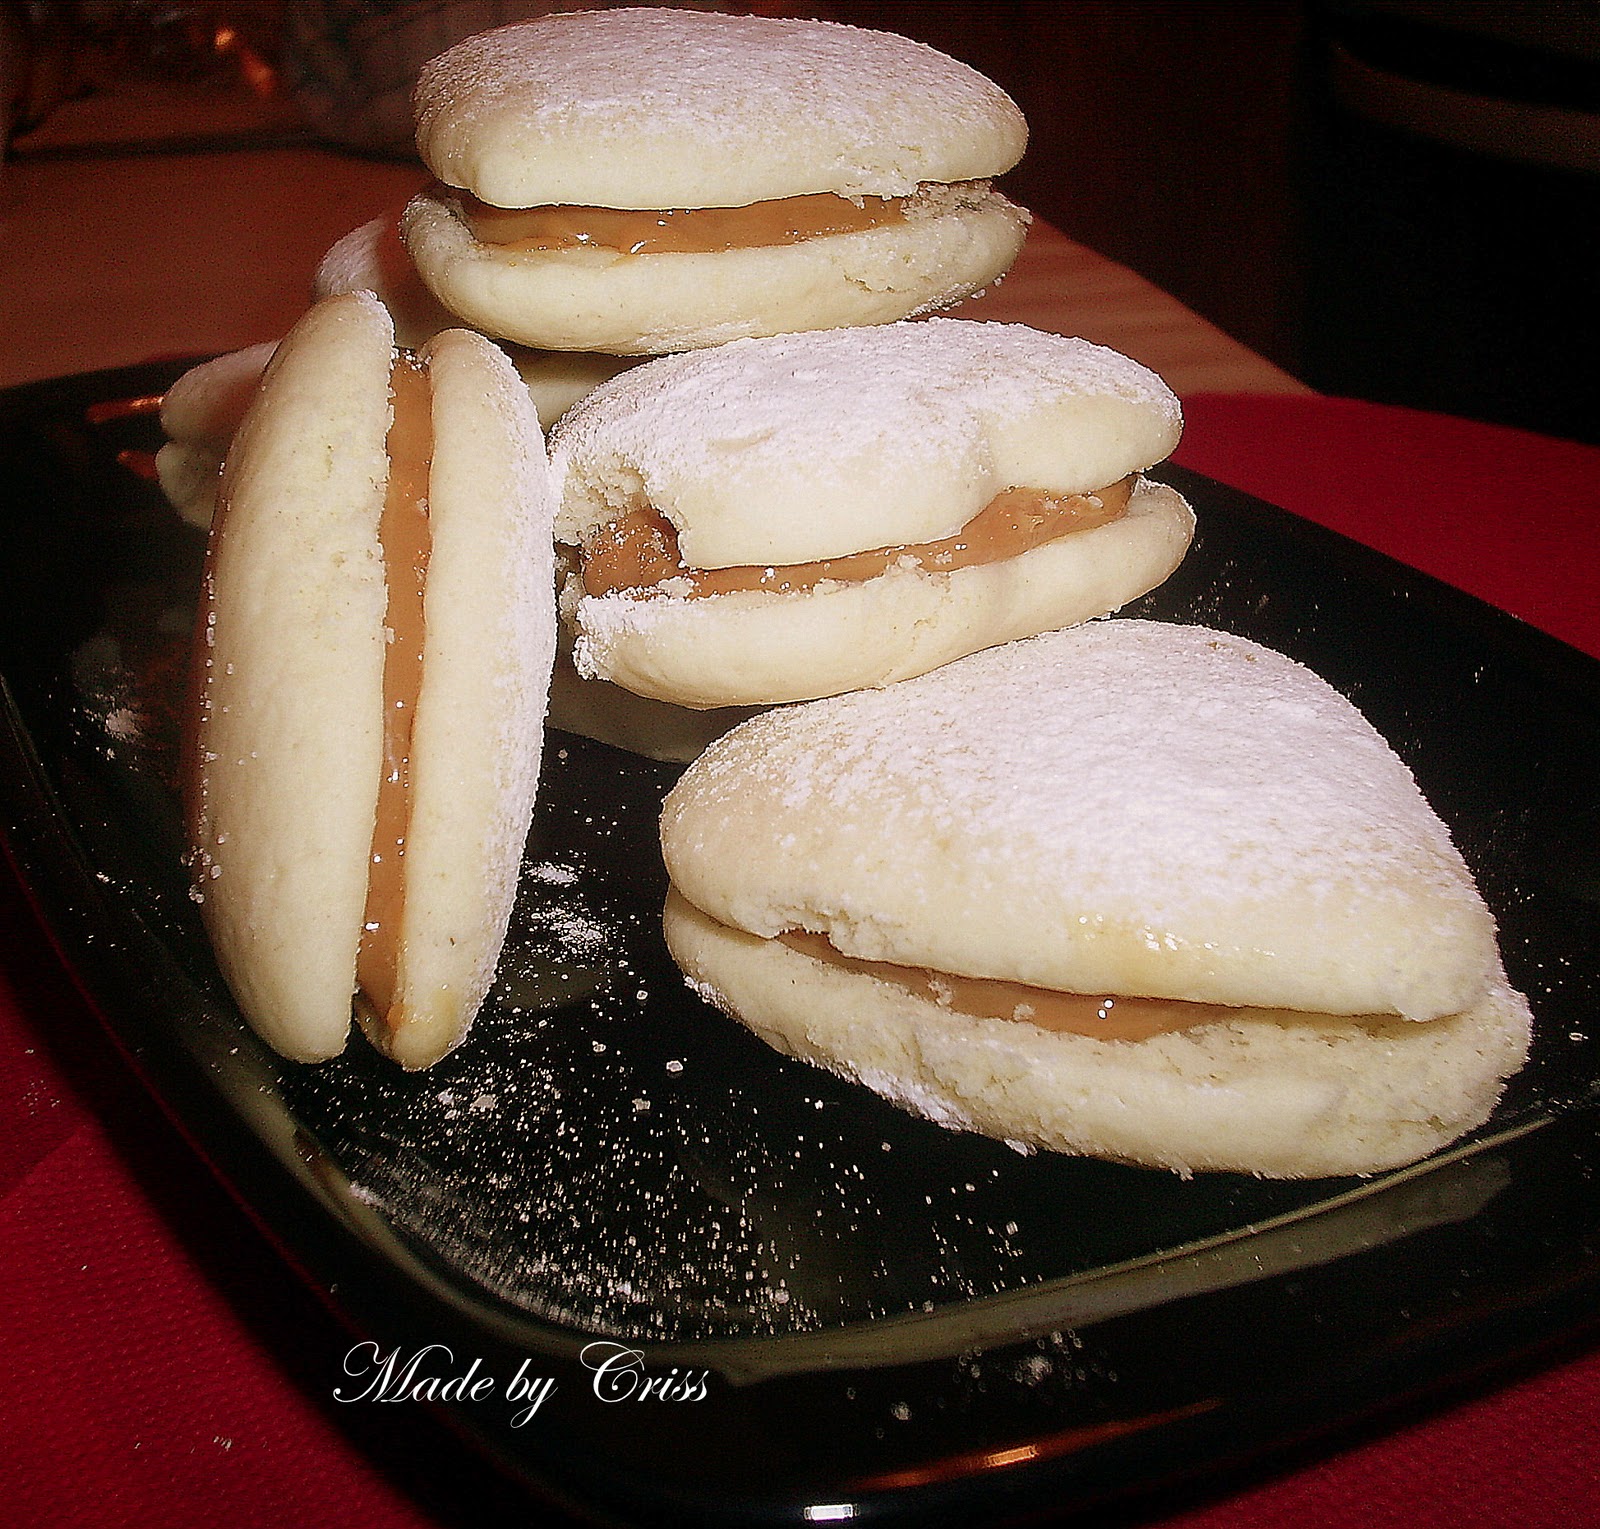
(1164, 785)
(804, 446)
(697, 96)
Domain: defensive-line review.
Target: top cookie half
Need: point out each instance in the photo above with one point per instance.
(662, 108)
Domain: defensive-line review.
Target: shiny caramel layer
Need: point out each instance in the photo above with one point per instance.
(680, 230)
(1105, 1018)
(407, 540)
(638, 551)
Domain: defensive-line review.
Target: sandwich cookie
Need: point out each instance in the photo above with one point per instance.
(786, 518)
(370, 678)
(653, 180)
(1137, 891)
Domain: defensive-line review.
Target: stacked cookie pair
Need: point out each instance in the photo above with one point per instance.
(1141, 891)
(619, 184)
(806, 493)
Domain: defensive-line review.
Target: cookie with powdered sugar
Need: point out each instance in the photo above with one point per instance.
(651, 180)
(786, 518)
(1140, 891)
(371, 667)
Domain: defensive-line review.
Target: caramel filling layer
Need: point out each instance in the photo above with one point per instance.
(406, 538)
(638, 551)
(678, 230)
(1105, 1018)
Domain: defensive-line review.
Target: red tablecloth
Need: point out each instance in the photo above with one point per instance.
(162, 1367)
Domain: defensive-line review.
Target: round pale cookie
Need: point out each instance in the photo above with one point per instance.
(286, 746)
(371, 258)
(661, 108)
(1126, 809)
(664, 110)
(288, 738)
(806, 447)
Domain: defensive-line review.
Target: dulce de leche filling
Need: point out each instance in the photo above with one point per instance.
(1105, 1018)
(678, 230)
(637, 552)
(406, 538)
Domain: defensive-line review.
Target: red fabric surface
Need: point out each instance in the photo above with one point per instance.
(1512, 517)
(165, 1368)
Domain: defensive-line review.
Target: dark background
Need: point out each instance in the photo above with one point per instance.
(1214, 147)
(1392, 199)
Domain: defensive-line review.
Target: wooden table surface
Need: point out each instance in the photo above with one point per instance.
(111, 258)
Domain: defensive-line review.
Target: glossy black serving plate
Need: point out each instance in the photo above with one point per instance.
(844, 1313)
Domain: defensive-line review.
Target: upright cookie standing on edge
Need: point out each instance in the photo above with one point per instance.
(785, 518)
(371, 668)
(950, 890)
(645, 181)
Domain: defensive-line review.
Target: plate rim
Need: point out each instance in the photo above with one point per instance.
(59, 878)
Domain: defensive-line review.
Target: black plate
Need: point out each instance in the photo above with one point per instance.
(845, 1312)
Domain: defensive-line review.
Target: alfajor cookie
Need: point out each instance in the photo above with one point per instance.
(653, 180)
(1139, 891)
(371, 668)
(785, 518)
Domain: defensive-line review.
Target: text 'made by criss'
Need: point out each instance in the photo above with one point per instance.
(433, 1374)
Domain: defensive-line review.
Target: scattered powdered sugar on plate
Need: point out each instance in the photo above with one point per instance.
(606, 1152)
